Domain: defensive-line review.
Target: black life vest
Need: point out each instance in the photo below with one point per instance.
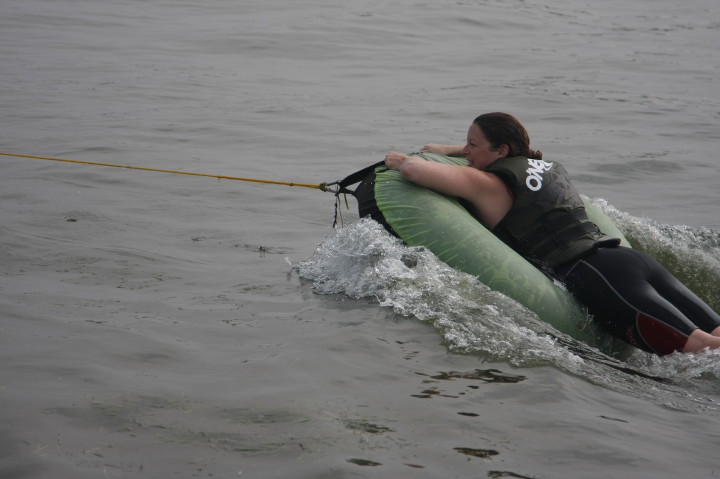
(547, 222)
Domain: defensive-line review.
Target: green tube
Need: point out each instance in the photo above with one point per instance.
(422, 217)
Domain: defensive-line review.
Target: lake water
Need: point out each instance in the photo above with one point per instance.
(159, 325)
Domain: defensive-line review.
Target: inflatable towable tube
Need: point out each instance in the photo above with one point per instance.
(422, 217)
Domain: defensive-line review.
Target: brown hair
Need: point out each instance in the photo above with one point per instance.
(504, 129)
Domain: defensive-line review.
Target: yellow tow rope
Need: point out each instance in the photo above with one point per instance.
(321, 186)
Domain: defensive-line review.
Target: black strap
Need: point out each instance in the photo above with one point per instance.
(356, 177)
(562, 240)
(552, 227)
(351, 179)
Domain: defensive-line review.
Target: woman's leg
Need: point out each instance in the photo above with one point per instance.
(708, 321)
(691, 306)
(614, 284)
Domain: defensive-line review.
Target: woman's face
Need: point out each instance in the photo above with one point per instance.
(478, 150)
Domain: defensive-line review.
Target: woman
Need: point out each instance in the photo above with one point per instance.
(533, 207)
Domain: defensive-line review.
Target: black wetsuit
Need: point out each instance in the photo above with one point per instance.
(628, 292)
(636, 299)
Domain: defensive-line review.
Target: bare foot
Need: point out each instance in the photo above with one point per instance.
(699, 340)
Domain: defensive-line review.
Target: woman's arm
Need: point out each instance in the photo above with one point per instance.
(485, 191)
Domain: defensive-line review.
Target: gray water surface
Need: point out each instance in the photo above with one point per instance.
(157, 325)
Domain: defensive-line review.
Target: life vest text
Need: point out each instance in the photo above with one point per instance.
(534, 179)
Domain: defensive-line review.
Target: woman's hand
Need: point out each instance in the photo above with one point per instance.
(446, 150)
(433, 148)
(394, 160)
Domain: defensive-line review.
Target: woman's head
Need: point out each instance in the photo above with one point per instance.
(504, 129)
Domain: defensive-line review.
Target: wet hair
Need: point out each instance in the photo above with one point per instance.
(504, 129)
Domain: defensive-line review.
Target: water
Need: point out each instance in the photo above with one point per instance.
(157, 325)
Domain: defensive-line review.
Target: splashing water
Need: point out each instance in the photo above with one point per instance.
(362, 260)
